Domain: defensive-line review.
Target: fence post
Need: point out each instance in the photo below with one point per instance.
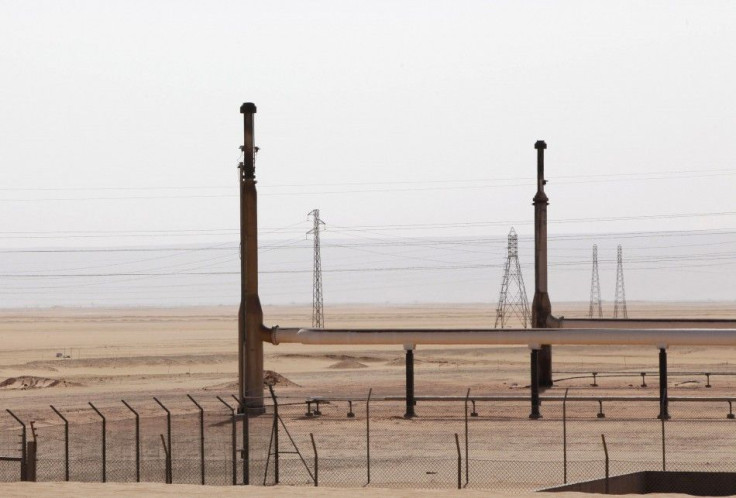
(350, 409)
(104, 441)
(467, 459)
(605, 451)
(275, 435)
(564, 436)
(245, 452)
(275, 439)
(368, 434)
(167, 452)
(201, 437)
(22, 447)
(246, 444)
(233, 441)
(459, 463)
(31, 456)
(169, 473)
(137, 441)
(66, 442)
(316, 461)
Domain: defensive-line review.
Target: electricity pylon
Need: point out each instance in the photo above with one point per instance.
(595, 310)
(619, 308)
(516, 303)
(318, 317)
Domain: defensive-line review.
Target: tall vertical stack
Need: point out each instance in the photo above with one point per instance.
(515, 303)
(619, 308)
(250, 315)
(595, 310)
(318, 318)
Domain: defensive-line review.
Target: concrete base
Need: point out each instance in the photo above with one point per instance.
(692, 483)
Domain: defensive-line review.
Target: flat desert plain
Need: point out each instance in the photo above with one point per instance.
(75, 355)
(72, 490)
(67, 357)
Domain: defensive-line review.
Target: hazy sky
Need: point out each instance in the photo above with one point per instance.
(124, 116)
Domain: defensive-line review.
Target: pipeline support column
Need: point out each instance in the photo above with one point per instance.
(410, 401)
(534, 384)
(663, 401)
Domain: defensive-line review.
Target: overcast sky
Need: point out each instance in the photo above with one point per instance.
(120, 125)
(390, 97)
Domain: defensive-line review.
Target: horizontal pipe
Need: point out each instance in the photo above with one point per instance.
(638, 373)
(645, 323)
(660, 338)
(525, 399)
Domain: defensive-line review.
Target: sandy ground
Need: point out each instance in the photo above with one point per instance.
(67, 357)
(76, 355)
(72, 490)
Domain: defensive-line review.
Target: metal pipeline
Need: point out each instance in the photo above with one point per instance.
(660, 338)
(645, 323)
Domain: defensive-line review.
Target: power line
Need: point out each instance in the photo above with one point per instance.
(475, 185)
(559, 257)
(119, 232)
(275, 272)
(591, 178)
(376, 228)
(62, 234)
(124, 263)
(297, 271)
(434, 226)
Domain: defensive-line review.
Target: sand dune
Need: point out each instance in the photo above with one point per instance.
(348, 364)
(31, 382)
(270, 378)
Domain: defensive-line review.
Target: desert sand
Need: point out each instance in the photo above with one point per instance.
(76, 355)
(67, 357)
(72, 490)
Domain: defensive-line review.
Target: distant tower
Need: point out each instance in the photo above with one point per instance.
(595, 310)
(620, 305)
(318, 317)
(516, 303)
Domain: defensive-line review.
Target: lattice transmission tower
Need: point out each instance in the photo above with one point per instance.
(512, 303)
(619, 308)
(318, 316)
(595, 310)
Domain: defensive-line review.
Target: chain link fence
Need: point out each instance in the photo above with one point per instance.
(454, 441)
(186, 445)
(361, 442)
